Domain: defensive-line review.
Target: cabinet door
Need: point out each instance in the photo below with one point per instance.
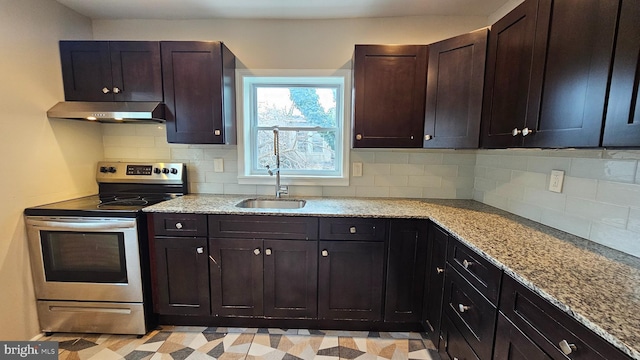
(350, 280)
(512, 344)
(454, 91)
(437, 255)
(236, 277)
(136, 70)
(290, 278)
(181, 276)
(571, 62)
(389, 84)
(199, 89)
(622, 125)
(405, 270)
(509, 60)
(86, 70)
(452, 345)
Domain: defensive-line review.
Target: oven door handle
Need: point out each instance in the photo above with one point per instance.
(105, 225)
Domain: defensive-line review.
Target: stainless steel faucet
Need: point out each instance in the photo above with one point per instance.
(280, 189)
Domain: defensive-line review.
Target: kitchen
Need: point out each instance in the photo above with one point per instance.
(45, 153)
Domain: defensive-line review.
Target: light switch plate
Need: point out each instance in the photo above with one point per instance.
(555, 183)
(357, 169)
(218, 165)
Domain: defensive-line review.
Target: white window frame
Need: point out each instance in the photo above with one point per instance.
(245, 79)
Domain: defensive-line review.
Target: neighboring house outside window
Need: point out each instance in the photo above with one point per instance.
(310, 109)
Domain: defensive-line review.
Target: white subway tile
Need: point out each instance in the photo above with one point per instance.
(495, 200)
(621, 154)
(610, 170)
(221, 178)
(634, 220)
(424, 181)
(426, 158)
(499, 174)
(484, 184)
(407, 169)
(458, 182)
(384, 157)
(566, 222)
(240, 189)
(464, 193)
(196, 175)
(305, 191)
(391, 180)
(372, 191)
(579, 187)
(512, 162)
(117, 129)
(618, 193)
(597, 211)
(362, 180)
(459, 159)
(441, 170)
(529, 179)
(339, 191)
(546, 164)
(206, 188)
(509, 190)
(120, 153)
(187, 154)
(573, 153)
(619, 239)
(154, 153)
(478, 195)
(487, 160)
(151, 130)
(480, 171)
(227, 154)
(362, 156)
(265, 190)
(466, 170)
(376, 169)
(545, 199)
(405, 192)
(523, 209)
(438, 193)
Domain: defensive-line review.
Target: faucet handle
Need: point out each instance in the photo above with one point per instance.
(283, 190)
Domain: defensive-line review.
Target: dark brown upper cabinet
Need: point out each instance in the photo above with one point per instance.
(389, 86)
(622, 125)
(199, 88)
(547, 74)
(111, 70)
(455, 82)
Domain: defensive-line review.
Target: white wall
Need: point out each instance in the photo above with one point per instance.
(42, 160)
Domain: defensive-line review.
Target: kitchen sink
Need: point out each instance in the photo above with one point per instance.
(272, 203)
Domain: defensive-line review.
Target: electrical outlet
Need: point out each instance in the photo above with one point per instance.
(357, 169)
(218, 165)
(555, 183)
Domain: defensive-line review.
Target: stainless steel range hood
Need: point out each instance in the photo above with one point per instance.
(110, 112)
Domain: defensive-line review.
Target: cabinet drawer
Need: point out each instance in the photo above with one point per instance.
(548, 326)
(472, 314)
(263, 227)
(477, 270)
(512, 344)
(452, 344)
(180, 224)
(353, 229)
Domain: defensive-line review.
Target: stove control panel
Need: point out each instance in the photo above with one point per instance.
(140, 172)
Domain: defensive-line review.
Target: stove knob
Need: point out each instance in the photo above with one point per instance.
(103, 169)
(174, 170)
(157, 171)
(111, 169)
(165, 170)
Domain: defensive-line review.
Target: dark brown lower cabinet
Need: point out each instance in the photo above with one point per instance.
(452, 345)
(350, 280)
(263, 278)
(406, 262)
(434, 289)
(181, 275)
(513, 344)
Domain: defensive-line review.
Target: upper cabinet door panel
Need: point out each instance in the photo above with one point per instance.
(622, 125)
(454, 91)
(136, 70)
(508, 75)
(86, 70)
(573, 50)
(389, 95)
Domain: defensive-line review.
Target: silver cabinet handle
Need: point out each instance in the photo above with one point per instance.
(466, 263)
(256, 251)
(439, 270)
(267, 252)
(358, 136)
(352, 229)
(178, 225)
(525, 131)
(116, 90)
(515, 132)
(463, 308)
(105, 90)
(200, 250)
(325, 253)
(567, 348)
(428, 137)
(217, 132)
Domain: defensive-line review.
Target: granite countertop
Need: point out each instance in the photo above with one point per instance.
(596, 285)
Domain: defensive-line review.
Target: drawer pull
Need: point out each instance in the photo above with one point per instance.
(267, 252)
(256, 251)
(463, 308)
(178, 225)
(567, 348)
(439, 270)
(466, 263)
(325, 253)
(200, 250)
(352, 229)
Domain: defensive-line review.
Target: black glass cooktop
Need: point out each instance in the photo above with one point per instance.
(97, 204)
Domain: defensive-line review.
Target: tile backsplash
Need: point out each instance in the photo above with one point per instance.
(600, 199)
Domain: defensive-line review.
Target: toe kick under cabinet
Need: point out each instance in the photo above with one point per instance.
(257, 270)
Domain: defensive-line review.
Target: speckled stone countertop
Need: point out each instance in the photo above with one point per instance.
(596, 285)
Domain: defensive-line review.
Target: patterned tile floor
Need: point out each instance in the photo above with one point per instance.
(188, 342)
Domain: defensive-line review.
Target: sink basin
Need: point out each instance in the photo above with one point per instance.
(272, 203)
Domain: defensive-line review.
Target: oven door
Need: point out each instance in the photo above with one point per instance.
(85, 258)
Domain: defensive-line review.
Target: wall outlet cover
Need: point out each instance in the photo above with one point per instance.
(218, 165)
(357, 169)
(555, 183)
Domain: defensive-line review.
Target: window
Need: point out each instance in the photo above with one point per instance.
(308, 108)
